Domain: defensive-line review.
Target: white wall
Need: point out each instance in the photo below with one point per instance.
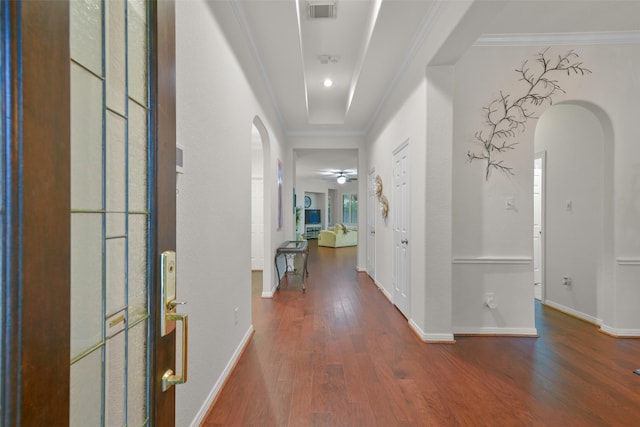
(493, 244)
(215, 110)
(408, 124)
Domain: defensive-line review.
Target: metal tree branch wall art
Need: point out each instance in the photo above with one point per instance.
(507, 115)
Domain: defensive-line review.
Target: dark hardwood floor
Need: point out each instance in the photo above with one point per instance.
(342, 355)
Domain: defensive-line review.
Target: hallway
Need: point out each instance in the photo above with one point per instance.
(342, 355)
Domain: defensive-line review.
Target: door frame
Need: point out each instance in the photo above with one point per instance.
(37, 143)
(36, 281)
(406, 311)
(371, 224)
(163, 90)
(542, 155)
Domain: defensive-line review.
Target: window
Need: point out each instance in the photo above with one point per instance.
(350, 208)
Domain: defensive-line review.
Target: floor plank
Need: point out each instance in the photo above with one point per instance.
(341, 355)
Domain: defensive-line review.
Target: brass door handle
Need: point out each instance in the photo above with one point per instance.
(170, 378)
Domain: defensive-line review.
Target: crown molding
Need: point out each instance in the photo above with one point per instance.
(421, 36)
(410, 54)
(242, 19)
(558, 39)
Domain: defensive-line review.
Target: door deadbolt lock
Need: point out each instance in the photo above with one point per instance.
(168, 291)
(169, 316)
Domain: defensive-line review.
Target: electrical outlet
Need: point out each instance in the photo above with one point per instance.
(566, 281)
(490, 300)
(235, 316)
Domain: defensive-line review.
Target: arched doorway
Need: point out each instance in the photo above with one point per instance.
(576, 142)
(261, 223)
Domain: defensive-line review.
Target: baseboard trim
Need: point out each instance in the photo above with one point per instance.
(431, 338)
(485, 331)
(272, 292)
(217, 387)
(575, 313)
(620, 333)
(493, 260)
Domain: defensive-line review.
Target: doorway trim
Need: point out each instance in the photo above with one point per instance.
(371, 224)
(403, 303)
(267, 195)
(542, 155)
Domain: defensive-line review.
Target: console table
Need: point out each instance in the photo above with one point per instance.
(293, 247)
(312, 231)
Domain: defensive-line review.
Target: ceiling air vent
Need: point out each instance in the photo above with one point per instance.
(321, 10)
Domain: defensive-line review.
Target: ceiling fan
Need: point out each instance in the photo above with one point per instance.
(344, 176)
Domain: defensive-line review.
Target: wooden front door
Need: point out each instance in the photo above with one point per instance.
(89, 138)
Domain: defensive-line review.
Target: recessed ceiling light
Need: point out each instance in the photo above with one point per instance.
(327, 83)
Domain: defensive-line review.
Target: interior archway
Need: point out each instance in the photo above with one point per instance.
(577, 138)
(261, 169)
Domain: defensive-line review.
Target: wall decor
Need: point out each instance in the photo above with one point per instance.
(378, 186)
(384, 206)
(384, 202)
(507, 115)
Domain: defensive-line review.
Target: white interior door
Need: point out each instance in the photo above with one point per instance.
(400, 214)
(371, 225)
(537, 226)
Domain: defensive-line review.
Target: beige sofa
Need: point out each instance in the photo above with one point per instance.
(338, 237)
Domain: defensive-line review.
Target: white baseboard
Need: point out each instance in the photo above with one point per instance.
(621, 333)
(361, 270)
(271, 293)
(222, 379)
(434, 338)
(491, 330)
(574, 313)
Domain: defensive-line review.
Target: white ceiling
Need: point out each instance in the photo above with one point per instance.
(364, 37)
(325, 164)
(373, 40)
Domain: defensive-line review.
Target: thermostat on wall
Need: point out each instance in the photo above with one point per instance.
(179, 158)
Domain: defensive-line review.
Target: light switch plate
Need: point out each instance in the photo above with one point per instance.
(510, 203)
